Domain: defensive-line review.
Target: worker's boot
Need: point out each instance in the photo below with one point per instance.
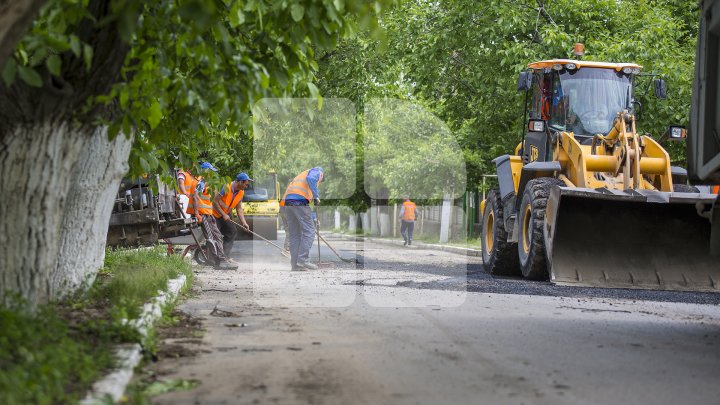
(307, 265)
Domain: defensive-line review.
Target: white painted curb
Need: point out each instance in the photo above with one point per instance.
(128, 356)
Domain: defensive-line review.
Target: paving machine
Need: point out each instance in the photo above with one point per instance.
(585, 199)
(141, 217)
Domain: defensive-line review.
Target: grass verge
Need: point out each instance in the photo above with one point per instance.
(53, 354)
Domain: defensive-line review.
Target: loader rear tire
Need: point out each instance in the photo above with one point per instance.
(531, 220)
(499, 256)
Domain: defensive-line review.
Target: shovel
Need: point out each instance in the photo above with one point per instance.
(282, 250)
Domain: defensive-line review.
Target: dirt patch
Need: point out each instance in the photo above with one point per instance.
(180, 337)
(316, 384)
(174, 351)
(181, 326)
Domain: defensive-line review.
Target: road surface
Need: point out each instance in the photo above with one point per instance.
(416, 326)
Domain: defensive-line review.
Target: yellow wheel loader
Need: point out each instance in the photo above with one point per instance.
(585, 199)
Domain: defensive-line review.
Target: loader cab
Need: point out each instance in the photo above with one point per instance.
(581, 97)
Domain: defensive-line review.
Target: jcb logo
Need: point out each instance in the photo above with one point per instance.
(533, 153)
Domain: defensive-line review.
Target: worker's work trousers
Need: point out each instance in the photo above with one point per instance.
(283, 218)
(214, 241)
(301, 229)
(406, 230)
(229, 232)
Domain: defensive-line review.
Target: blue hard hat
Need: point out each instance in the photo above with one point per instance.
(207, 166)
(243, 176)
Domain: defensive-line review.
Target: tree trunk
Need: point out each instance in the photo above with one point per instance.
(57, 186)
(374, 224)
(445, 218)
(15, 19)
(352, 223)
(95, 181)
(365, 221)
(35, 162)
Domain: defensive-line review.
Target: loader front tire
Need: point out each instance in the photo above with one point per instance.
(499, 256)
(531, 220)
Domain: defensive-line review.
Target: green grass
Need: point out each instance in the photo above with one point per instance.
(131, 278)
(53, 355)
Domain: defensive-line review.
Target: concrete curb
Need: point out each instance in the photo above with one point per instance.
(128, 356)
(416, 245)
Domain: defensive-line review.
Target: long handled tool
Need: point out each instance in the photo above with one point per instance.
(317, 231)
(282, 250)
(333, 249)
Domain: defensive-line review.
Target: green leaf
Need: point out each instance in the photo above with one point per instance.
(88, 56)
(144, 165)
(75, 45)
(313, 90)
(30, 76)
(154, 114)
(124, 96)
(297, 11)
(9, 72)
(54, 65)
(237, 16)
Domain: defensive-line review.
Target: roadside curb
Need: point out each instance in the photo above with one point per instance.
(416, 245)
(128, 356)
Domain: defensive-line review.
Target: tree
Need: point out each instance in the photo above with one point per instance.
(460, 59)
(93, 77)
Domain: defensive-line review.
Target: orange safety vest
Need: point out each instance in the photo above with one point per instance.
(299, 185)
(205, 207)
(190, 182)
(715, 190)
(227, 202)
(409, 214)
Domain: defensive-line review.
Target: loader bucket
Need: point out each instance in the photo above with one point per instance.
(629, 239)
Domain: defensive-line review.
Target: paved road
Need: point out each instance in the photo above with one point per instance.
(410, 326)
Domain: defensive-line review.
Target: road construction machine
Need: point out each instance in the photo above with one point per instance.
(703, 143)
(585, 199)
(261, 207)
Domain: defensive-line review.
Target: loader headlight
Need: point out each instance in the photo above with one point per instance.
(636, 71)
(627, 70)
(536, 126)
(557, 66)
(676, 133)
(570, 66)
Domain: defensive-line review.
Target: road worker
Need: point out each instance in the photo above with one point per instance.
(201, 205)
(408, 216)
(186, 183)
(228, 198)
(301, 228)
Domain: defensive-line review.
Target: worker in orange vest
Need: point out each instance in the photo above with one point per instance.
(201, 205)
(228, 198)
(301, 228)
(407, 218)
(186, 183)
